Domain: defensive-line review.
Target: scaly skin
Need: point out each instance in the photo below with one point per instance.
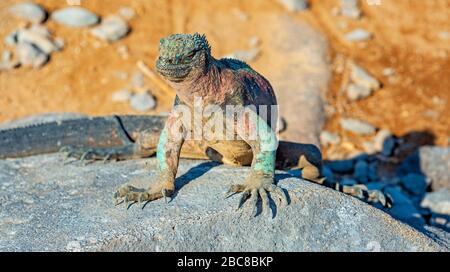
(186, 63)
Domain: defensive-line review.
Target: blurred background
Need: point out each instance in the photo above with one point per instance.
(368, 77)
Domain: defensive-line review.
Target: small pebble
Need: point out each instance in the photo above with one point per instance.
(75, 17)
(361, 77)
(143, 102)
(29, 11)
(357, 126)
(30, 55)
(40, 41)
(327, 137)
(357, 92)
(295, 5)
(388, 72)
(358, 35)
(438, 202)
(112, 28)
(123, 95)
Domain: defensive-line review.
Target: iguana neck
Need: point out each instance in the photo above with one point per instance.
(207, 85)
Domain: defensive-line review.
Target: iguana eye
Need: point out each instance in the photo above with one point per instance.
(190, 56)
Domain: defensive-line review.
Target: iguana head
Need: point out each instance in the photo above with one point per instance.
(182, 56)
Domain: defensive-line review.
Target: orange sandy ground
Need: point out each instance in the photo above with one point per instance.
(81, 77)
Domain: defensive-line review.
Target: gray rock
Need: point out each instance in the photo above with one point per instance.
(41, 30)
(327, 137)
(341, 166)
(434, 162)
(350, 9)
(438, 202)
(361, 171)
(30, 55)
(357, 92)
(361, 77)
(415, 183)
(358, 35)
(71, 210)
(295, 5)
(75, 17)
(357, 126)
(29, 11)
(143, 102)
(112, 28)
(42, 42)
(403, 208)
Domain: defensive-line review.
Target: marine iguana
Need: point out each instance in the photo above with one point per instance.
(186, 63)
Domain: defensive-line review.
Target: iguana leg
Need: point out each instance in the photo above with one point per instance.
(168, 154)
(261, 178)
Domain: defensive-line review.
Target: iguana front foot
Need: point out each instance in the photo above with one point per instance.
(129, 194)
(256, 186)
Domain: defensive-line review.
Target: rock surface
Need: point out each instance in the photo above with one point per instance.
(46, 206)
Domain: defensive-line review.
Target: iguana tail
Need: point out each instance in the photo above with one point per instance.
(311, 172)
